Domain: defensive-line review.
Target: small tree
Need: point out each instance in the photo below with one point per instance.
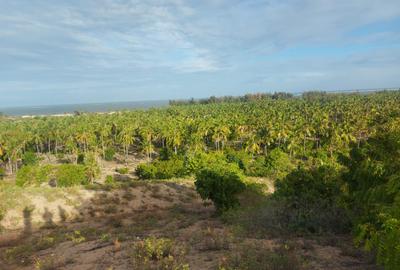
(29, 158)
(221, 184)
(91, 166)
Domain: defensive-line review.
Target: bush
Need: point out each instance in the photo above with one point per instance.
(146, 171)
(373, 184)
(241, 158)
(34, 175)
(167, 169)
(65, 175)
(70, 175)
(91, 166)
(251, 166)
(221, 184)
(123, 170)
(257, 168)
(29, 158)
(311, 200)
(166, 153)
(196, 161)
(162, 169)
(158, 253)
(2, 172)
(109, 180)
(278, 163)
(109, 154)
(81, 158)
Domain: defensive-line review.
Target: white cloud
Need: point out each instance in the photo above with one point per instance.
(213, 44)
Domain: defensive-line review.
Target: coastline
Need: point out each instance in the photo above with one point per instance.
(70, 109)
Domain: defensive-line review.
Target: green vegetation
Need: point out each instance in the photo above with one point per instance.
(2, 173)
(34, 175)
(221, 184)
(373, 183)
(109, 154)
(311, 200)
(162, 169)
(70, 175)
(334, 158)
(29, 158)
(123, 170)
(64, 175)
(158, 253)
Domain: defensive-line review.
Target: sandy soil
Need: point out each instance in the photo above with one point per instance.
(98, 229)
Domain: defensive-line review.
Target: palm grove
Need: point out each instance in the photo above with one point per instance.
(335, 158)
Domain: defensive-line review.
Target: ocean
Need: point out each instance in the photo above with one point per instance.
(89, 107)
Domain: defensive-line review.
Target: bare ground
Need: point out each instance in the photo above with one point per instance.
(99, 229)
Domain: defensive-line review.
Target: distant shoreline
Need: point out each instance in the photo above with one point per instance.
(70, 109)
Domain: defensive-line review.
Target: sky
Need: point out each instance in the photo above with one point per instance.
(83, 51)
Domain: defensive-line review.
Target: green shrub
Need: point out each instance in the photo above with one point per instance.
(221, 184)
(167, 169)
(196, 161)
(70, 175)
(92, 168)
(278, 163)
(81, 158)
(146, 171)
(251, 166)
(166, 153)
(109, 154)
(311, 200)
(29, 158)
(2, 172)
(123, 170)
(158, 253)
(34, 175)
(162, 169)
(109, 180)
(257, 168)
(241, 158)
(373, 184)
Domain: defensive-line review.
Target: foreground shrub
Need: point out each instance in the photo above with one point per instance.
(123, 170)
(257, 168)
(109, 154)
(162, 169)
(64, 175)
(373, 182)
(109, 180)
(198, 160)
(29, 158)
(166, 153)
(158, 253)
(2, 172)
(221, 184)
(170, 168)
(34, 175)
(311, 200)
(146, 171)
(278, 163)
(71, 175)
(251, 166)
(91, 166)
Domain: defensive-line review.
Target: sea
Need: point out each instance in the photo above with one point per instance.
(89, 107)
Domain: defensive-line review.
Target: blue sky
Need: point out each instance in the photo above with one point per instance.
(80, 51)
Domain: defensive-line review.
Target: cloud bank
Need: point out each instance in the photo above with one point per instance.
(92, 51)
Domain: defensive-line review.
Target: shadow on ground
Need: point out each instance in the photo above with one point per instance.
(114, 227)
